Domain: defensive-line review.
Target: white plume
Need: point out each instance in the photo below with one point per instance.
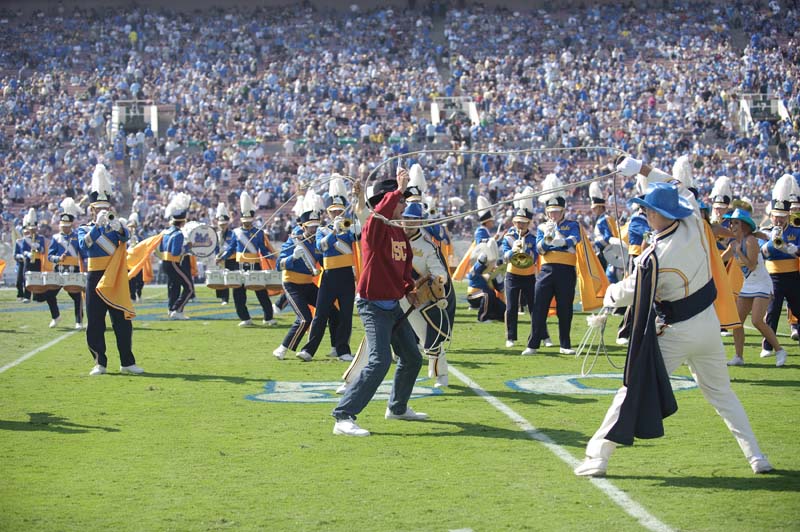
(550, 182)
(178, 204)
(523, 202)
(101, 180)
(483, 205)
(682, 171)
(313, 202)
(222, 210)
(595, 191)
(297, 210)
(785, 187)
(69, 206)
(246, 203)
(30, 218)
(722, 187)
(336, 186)
(416, 178)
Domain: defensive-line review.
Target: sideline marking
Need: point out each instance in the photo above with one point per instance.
(26, 356)
(619, 497)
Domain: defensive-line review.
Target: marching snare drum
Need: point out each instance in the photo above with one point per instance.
(215, 279)
(73, 282)
(255, 280)
(203, 238)
(233, 278)
(273, 280)
(41, 282)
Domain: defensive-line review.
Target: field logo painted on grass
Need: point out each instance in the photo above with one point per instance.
(579, 385)
(323, 392)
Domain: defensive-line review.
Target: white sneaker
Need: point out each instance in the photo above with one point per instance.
(133, 369)
(54, 322)
(725, 332)
(529, 351)
(348, 427)
(280, 352)
(408, 415)
(275, 309)
(171, 314)
(305, 356)
(780, 358)
(566, 351)
(246, 323)
(442, 381)
(223, 303)
(98, 370)
(736, 361)
(760, 465)
(795, 335)
(766, 353)
(592, 467)
(333, 353)
(341, 389)
(622, 341)
(548, 342)
(347, 357)
(509, 343)
(26, 300)
(78, 326)
(269, 323)
(180, 316)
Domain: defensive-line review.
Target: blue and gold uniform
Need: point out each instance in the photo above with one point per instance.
(224, 239)
(481, 294)
(520, 280)
(99, 244)
(65, 253)
(175, 261)
(338, 284)
(606, 232)
(298, 260)
(783, 267)
(32, 251)
(248, 245)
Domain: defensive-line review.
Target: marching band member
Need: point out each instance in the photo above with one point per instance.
(136, 282)
(249, 244)
(174, 254)
(482, 234)
(781, 252)
(756, 291)
(431, 318)
(484, 284)
(520, 253)
(298, 260)
(19, 260)
(104, 241)
(335, 241)
(65, 254)
(35, 254)
(606, 230)
(678, 272)
(556, 242)
(224, 238)
(721, 197)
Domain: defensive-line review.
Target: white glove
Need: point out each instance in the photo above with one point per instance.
(338, 225)
(558, 242)
(115, 225)
(297, 253)
(629, 166)
(791, 249)
(614, 241)
(26, 254)
(102, 218)
(517, 247)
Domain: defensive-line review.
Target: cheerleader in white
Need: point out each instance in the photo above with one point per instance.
(756, 291)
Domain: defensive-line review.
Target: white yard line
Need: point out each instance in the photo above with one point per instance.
(28, 355)
(619, 497)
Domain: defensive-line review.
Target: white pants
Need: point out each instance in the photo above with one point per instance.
(697, 342)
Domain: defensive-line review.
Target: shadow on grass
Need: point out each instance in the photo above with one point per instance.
(199, 378)
(520, 397)
(767, 382)
(40, 421)
(778, 480)
(489, 431)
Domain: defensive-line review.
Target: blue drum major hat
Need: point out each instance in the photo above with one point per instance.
(414, 211)
(741, 215)
(664, 199)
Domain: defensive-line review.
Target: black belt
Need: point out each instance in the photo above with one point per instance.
(688, 307)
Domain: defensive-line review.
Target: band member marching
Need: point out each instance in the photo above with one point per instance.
(249, 245)
(136, 282)
(520, 253)
(781, 253)
(34, 253)
(556, 242)
(485, 281)
(107, 290)
(19, 260)
(335, 241)
(721, 197)
(606, 233)
(65, 254)
(299, 262)
(224, 238)
(175, 261)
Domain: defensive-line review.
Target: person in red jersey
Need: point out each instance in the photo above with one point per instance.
(385, 279)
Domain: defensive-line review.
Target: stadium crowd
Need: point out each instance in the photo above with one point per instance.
(267, 100)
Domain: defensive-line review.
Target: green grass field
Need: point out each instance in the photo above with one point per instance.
(219, 435)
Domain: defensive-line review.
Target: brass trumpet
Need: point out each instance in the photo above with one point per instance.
(777, 238)
(520, 259)
(794, 220)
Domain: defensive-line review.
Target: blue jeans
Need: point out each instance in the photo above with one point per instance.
(382, 336)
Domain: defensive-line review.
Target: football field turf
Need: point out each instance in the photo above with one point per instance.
(220, 435)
